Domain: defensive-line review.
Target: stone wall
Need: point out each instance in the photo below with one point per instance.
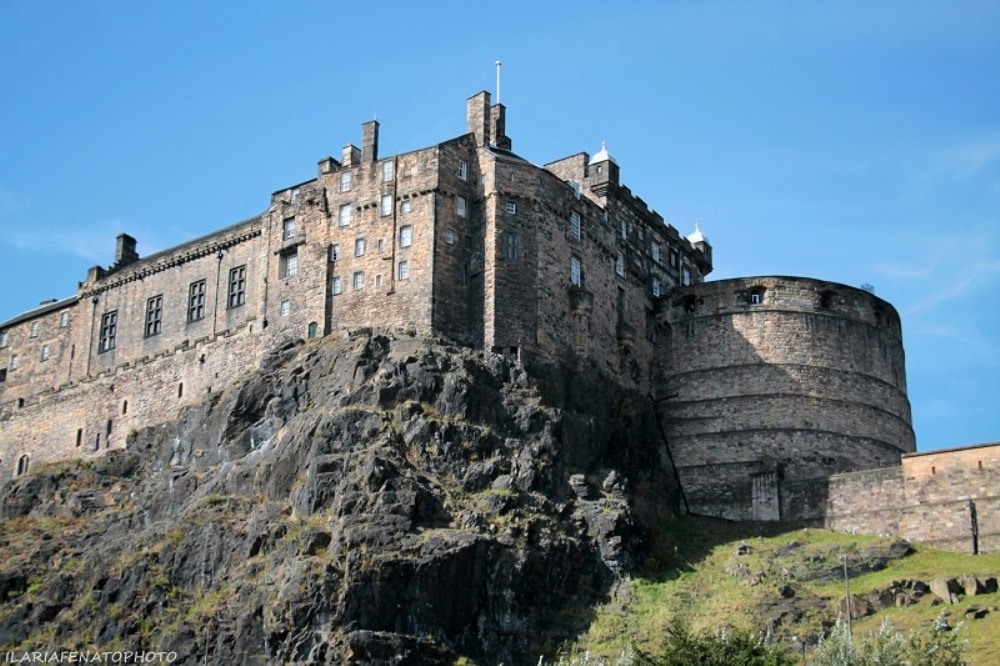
(789, 377)
(948, 499)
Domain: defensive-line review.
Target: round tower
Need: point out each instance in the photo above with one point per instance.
(773, 384)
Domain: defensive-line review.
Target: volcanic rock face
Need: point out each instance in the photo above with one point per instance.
(370, 499)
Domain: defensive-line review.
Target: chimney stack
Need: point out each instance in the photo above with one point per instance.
(369, 141)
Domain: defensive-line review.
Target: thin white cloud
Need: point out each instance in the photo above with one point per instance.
(979, 273)
(10, 202)
(94, 243)
(970, 158)
(986, 350)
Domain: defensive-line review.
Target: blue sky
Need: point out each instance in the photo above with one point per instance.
(857, 142)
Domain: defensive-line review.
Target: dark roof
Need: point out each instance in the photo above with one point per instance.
(43, 309)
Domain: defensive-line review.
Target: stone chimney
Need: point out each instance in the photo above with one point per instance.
(477, 114)
(369, 141)
(498, 126)
(125, 253)
(351, 155)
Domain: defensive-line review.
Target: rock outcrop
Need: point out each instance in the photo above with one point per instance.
(370, 499)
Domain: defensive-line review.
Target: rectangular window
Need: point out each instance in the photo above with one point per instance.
(450, 237)
(288, 229)
(344, 216)
(656, 287)
(406, 206)
(685, 276)
(405, 236)
(460, 207)
(359, 247)
(335, 285)
(109, 332)
(386, 205)
(359, 280)
(574, 226)
(13, 361)
(286, 307)
(3, 374)
(673, 259)
(386, 172)
(381, 246)
(154, 315)
(345, 181)
(289, 265)
(4, 339)
(404, 270)
(655, 251)
(335, 252)
(463, 170)
(64, 320)
(196, 301)
(511, 246)
(575, 272)
(293, 196)
(34, 329)
(624, 230)
(45, 352)
(511, 208)
(378, 281)
(620, 264)
(237, 286)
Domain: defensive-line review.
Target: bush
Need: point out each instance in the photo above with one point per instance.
(940, 645)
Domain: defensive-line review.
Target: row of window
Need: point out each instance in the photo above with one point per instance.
(33, 331)
(576, 274)
(108, 334)
(358, 279)
(388, 169)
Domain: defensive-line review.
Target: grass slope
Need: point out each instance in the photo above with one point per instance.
(690, 578)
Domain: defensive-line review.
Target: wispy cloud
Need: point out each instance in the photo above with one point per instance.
(10, 202)
(979, 273)
(985, 349)
(973, 158)
(95, 243)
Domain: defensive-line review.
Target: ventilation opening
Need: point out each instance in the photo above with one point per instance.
(980, 465)
(20, 403)
(97, 442)
(180, 390)
(22, 465)
(690, 302)
(933, 471)
(826, 299)
(79, 437)
(108, 429)
(124, 407)
(756, 296)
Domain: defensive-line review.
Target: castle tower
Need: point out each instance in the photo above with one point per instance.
(775, 383)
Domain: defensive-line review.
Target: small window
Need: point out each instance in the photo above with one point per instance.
(575, 272)
(97, 442)
(196, 301)
(574, 226)
(344, 216)
(756, 296)
(285, 309)
(237, 286)
(79, 437)
(624, 230)
(673, 259)
(13, 361)
(293, 196)
(380, 245)
(345, 181)
(335, 252)
(335, 286)
(312, 330)
(289, 265)
(4, 339)
(620, 265)
(386, 172)
(34, 329)
(685, 276)
(511, 246)
(3, 374)
(64, 320)
(154, 316)
(22, 465)
(180, 390)
(288, 229)
(45, 352)
(358, 280)
(463, 170)
(406, 206)
(378, 281)
(404, 270)
(124, 407)
(386, 205)
(656, 287)
(108, 334)
(359, 247)
(654, 251)
(511, 207)
(450, 237)
(460, 206)
(405, 236)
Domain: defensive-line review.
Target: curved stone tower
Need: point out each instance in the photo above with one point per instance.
(773, 384)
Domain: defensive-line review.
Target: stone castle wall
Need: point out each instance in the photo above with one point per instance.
(775, 383)
(948, 499)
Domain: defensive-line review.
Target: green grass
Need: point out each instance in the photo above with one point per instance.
(687, 579)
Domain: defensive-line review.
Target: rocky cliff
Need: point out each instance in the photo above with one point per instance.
(372, 499)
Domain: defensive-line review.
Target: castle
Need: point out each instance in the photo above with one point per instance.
(768, 386)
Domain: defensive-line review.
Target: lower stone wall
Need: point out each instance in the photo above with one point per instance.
(948, 499)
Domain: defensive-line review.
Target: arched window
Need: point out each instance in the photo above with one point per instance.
(22, 465)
